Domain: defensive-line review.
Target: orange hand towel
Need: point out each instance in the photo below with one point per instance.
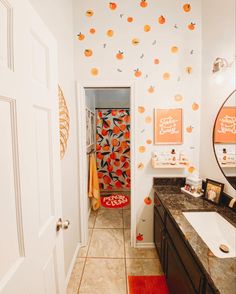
(94, 192)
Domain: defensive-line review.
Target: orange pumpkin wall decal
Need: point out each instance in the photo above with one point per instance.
(64, 122)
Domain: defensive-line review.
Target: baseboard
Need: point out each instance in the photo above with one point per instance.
(72, 264)
(145, 245)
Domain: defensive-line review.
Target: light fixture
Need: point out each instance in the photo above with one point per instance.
(219, 64)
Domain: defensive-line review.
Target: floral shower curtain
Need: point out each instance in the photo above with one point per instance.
(113, 148)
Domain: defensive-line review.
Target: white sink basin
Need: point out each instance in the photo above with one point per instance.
(214, 231)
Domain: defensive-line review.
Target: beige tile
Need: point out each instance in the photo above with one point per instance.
(76, 275)
(83, 250)
(104, 276)
(92, 218)
(109, 218)
(127, 218)
(107, 243)
(131, 252)
(127, 207)
(143, 267)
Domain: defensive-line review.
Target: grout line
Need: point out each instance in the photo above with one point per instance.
(86, 255)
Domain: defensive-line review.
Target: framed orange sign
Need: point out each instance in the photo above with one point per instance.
(225, 126)
(168, 126)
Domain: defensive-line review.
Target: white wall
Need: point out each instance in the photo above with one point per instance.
(58, 16)
(155, 43)
(218, 40)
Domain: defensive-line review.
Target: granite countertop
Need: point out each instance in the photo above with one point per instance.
(221, 272)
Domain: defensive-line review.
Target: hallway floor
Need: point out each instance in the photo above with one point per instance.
(104, 265)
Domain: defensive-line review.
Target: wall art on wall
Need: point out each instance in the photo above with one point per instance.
(64, 121)
(168, 126)
(225, 127)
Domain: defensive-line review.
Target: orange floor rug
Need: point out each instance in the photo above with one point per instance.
(115, 201)
(147, 285)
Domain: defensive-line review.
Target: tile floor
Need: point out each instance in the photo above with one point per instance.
(103, 265)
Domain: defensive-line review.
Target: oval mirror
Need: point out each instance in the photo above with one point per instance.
(224, 138)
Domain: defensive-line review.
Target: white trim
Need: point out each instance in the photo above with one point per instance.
(68, 275)
(146, 245)
(83, 157)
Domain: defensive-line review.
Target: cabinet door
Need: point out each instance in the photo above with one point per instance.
(209, 290)
(177, 278)
(159, 236)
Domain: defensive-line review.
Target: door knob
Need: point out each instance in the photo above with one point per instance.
(62, 225)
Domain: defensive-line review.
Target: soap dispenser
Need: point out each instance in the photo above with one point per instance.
(224, 156)
(173, 157)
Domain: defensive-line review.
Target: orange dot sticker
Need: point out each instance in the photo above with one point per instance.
(137, 73)
(189, 70)
(94, 71)
(80, 36)
(88, 52)
(147, 28)
(92, 31)
(112, 5)
(161, 19)
(149, 141)
(191, 169)
(148, 120)
(191, 26)
(130, 19)
(147, 200)
(110, 33)
(143, 3)
(186, 7)
(189, 129)
(156, 61)
(141, 109)
(174, 49)
(142, 149)
(195, 106)
(166, 76)
(89, 13)
(151, 89)
(178, 98)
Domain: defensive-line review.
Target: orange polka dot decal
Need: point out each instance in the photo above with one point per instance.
(141, 109)
(113, 148)
(94, 71)
(166, 76)
(195, 106)
(142, 149)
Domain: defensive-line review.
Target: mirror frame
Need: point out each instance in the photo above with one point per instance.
(213, 135)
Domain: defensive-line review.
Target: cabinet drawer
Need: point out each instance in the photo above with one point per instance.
(159, 207)
(185, 255)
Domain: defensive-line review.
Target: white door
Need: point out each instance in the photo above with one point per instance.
(31, 250)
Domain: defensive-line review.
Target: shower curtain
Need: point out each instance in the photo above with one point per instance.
(113, 149)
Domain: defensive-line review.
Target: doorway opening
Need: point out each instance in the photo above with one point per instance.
(106, 125)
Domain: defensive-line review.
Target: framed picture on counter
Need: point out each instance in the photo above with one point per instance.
(168, 126)
(213, 191)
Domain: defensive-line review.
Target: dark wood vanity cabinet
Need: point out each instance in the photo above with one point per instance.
(159, 235)
(176, 275)
(183, 273)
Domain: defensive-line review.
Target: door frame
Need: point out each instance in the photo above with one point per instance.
(83, 165)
